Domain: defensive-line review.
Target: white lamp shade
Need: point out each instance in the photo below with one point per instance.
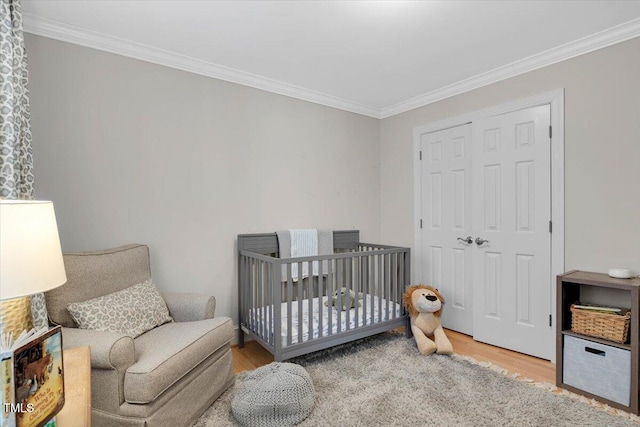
(30, 252)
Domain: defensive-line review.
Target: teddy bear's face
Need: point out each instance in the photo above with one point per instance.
(343, 292)
(426, 301)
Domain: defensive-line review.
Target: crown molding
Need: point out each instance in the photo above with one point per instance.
(76, 35)
(602, 39)
(69, 33)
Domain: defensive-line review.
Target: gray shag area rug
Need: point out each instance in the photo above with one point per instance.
(385, 381)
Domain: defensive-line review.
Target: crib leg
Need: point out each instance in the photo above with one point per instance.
(240, 338)
(407, 328)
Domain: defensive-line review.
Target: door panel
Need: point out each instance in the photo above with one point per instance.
(446, 200)
(512, 209)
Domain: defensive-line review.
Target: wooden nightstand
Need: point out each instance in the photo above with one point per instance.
(77, 389)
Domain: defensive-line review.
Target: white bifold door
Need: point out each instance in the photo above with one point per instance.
(486, 242)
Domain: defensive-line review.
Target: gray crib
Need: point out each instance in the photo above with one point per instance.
(291, 318)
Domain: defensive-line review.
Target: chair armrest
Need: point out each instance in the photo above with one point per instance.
(109, 350)
(189, 307)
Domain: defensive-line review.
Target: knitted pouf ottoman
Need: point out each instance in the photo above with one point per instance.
(278, 394)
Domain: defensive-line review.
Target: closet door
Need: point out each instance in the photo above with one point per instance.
(446, 213)
(512, 237)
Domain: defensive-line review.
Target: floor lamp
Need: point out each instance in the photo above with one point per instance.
(30, 259)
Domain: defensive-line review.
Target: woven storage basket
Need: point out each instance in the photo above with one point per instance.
(612, 327)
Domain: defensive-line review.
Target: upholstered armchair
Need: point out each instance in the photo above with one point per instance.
(167, 376)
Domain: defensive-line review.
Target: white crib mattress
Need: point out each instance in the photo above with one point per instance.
(311, 328)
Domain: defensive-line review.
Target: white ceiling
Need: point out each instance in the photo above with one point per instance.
(372, 57)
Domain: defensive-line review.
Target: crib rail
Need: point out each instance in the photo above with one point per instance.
(271, 297)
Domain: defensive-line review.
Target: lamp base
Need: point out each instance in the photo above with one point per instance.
(15, 316)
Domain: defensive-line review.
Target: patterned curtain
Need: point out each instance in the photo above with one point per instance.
(16, 159)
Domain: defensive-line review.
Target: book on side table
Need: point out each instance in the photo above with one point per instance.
(32, 376)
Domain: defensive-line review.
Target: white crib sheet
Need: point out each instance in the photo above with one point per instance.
(379, 307)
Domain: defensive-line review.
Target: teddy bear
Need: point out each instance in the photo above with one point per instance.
(425, 305)
(343, 292)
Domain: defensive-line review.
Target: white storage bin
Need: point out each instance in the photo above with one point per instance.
(599, 369)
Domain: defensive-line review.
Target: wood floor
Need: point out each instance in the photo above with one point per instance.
(253, 356)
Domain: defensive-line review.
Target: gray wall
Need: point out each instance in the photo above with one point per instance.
(131, 151)
(602, 154)
(135, 152)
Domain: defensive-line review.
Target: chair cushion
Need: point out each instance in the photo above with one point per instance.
(94, 274)
(131, 311)
(169, 352)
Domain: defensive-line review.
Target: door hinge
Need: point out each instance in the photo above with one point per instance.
(550, 227)
(420, 223)
(420, 154)
(550, 132)
(550, 320)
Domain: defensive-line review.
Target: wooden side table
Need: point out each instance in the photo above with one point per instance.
(77, 389)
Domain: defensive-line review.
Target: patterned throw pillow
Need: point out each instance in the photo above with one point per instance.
(131, 311)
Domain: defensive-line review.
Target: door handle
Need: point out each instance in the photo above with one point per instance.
(480, 241)
(468, 240)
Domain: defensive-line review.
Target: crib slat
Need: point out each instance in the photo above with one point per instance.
(267, 304)
(256, 305)
(268, 299)
(300, 286)
(245, 291)
(263, 298)
(249, 294)
(365, 279)
(256, 298)
(387, 288)
(380, 285)
(320, 292)
(259, 299)
(260, 295)
(372, 284)
(348, 284)
(383, 287)
(289, 298)
(401, 284)
(394, 283)
(330, 295)
(252, 320)
(340, 272)
(310, 301)
(357, 287)
(276, 299)
(265, 278)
